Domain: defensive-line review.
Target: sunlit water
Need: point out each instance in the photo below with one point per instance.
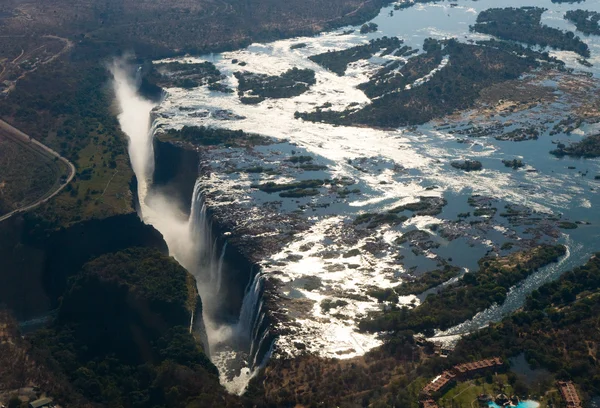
(424, 154)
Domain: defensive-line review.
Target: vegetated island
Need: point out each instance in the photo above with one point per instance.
(427, 281)
(471, 294)
(524, 25)
(401, 97)
(585, 21)
(337, 61)
(368, 28)
(183, 75)
(588, 147)
(208, 136)
(514, 163)
(467, 165)
(255, 88)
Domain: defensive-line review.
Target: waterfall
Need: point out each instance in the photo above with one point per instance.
(220, 268)
(191, 242)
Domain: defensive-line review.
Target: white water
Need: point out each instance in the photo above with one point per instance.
(423, 154)
(189, 239)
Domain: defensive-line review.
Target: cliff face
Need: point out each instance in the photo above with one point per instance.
(175, 172)
(124, 302)
(36, 263)
(122, 334)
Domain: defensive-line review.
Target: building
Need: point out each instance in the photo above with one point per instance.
(569, 394)
(459, 372)
(41, 403)
(476, 367)
(439, 384)
(428, 403)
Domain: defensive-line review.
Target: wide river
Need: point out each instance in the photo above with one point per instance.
(423, 152)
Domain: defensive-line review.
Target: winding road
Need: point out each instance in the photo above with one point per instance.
(16, 134)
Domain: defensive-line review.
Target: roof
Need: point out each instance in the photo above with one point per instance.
(429, 404)
(569, 393)
(478, 365)
(439, 382)
(40, 403)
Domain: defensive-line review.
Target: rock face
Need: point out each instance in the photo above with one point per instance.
(175, 172)
(39, 262)
(124, 335)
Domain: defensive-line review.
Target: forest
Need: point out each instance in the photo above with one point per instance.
(337, 61)
(455, 86)
(255, 88)
(558, 329)
(586, 21)
(588, 147)
(524, 25)
(208, 136)
(121, 335)
(472, 293)
(177, 74)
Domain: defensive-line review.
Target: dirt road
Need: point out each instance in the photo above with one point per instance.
(16, 134)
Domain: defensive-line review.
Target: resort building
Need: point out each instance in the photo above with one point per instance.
(461, 372)
(429, 403)
(468, 369)
(569, 394)
(440, 383)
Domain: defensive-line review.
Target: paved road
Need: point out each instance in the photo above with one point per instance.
(17, 134)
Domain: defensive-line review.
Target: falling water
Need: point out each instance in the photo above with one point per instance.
(235, 347)
(220, 268)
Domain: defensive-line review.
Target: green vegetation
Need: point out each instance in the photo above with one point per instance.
(425, 206)
(272, 187)
(312, 167)
(524, 25)
(588, 147)
(567, 225)
(255, 88)
(121, 335)
(260, 169)
(208, 136)
(467, 165)
(514, 163)
(377, 220)
(558, 329)
(27, 173)
(519, 135)
(219, 87)
(299, 192)
(384, 295)
(300, 159)
(337, 61)
(472, 293)
(585, 21)
(328, 304)
(182, 75)
(66, 104)
(368, 28)
(456, 86)
(417, 67)
(427, 281)
(507, 246)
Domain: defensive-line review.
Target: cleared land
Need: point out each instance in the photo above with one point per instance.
(30, 173)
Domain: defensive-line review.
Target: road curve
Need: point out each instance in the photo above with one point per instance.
(12, 131)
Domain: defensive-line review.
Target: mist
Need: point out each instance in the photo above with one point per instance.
(188, 238)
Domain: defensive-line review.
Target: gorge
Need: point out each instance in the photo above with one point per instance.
(233, 321)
